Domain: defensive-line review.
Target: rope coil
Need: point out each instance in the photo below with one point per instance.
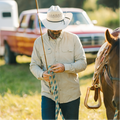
(116, 114)
(54, 90)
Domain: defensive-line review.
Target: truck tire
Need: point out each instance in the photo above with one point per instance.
(9, 56)
(90, 60)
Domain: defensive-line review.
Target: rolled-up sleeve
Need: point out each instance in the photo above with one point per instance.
(35, 65)
(80, 63)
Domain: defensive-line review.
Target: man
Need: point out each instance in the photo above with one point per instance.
(65, 54)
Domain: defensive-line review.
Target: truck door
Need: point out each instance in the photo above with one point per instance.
(21, 35)
(31, 34)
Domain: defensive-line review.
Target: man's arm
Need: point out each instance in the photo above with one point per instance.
(35, 65)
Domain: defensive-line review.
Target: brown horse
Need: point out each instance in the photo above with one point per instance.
(109, 76)
(106, 76)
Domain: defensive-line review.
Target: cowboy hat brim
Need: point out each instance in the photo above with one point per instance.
(55, 25)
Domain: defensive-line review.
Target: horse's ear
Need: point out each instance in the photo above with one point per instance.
(109, 37)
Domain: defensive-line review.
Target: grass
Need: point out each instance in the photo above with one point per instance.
(17, 78)
(20, 97)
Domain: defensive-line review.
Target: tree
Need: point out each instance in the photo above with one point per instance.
(47, 3)
(79, 3)
(30, 4)
(71, 3)
(25, 5)
(112, 4)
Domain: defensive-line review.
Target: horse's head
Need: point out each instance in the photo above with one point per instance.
(113, 66)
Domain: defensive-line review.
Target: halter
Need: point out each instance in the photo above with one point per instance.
(106, 69)
(110, 76)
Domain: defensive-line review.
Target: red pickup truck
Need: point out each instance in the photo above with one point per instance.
(19, 41)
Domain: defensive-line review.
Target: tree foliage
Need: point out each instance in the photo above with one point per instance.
(30, 4)
(112, 4)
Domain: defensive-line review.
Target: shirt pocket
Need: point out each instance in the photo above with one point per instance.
(67, 49)
(67, 54)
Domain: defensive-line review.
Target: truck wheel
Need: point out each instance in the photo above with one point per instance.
(9, 56)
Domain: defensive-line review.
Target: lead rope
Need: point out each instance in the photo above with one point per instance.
(54, 91)
(116, 114)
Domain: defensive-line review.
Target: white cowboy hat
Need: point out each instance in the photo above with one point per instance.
(55, 19)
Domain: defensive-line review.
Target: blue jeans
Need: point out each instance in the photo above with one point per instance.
(69, 110)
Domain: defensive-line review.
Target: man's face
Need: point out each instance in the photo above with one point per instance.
(54, 33)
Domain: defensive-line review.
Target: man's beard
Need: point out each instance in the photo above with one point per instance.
(54, 34)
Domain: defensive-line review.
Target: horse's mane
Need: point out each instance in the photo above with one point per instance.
(116, 44)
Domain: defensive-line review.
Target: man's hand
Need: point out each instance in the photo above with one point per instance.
(58, 68)
(46, 76)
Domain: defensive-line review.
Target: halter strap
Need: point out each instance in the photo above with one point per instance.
(107, 78)
(110, 76)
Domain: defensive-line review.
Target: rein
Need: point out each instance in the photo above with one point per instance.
(95, 85)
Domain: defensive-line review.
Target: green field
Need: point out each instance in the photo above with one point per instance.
(20, 97)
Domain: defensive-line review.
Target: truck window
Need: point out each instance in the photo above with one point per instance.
(6, 14)
(31, 24)
(41, 24)
(23, 23)
(78, 18)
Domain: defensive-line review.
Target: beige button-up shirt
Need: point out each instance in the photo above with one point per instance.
(68, 50)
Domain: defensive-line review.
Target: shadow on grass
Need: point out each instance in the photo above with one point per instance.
(85, 79)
